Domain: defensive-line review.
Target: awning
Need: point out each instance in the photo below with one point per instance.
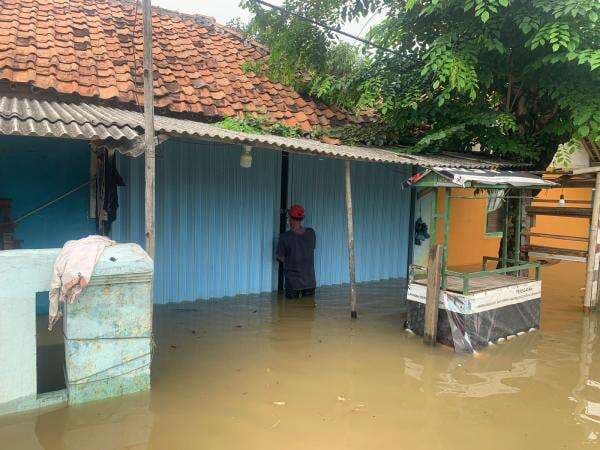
(31, 117)
(477, 178)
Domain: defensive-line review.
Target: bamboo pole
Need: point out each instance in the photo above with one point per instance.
(591, 281)
(350, 225)
(149, 158)
(434, 279)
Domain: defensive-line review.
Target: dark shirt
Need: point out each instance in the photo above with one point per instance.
(298, 253)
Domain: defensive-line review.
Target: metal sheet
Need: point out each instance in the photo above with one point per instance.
(381, 217)
(30, 117)
(216, 223)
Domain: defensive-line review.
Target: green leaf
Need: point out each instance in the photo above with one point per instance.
(485, 16)
(555, 47)
(583, 131)
(503, 3)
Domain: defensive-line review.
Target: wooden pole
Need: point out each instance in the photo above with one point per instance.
(350, 225)
(149, 157)
(518, 219)
(434, 278)
(445, 252)
(591, 277)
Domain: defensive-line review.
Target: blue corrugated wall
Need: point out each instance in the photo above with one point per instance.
(34, 171)
(381, 216)
(216, 223)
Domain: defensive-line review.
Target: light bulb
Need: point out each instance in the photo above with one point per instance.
(246, 158)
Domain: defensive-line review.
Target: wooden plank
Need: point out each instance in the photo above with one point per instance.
(557, 251)
(149, 158)
(559, 211)
(434, 278)
(556, 236)
(553, 257)
(554, 201)
(350, 227)
(591, 273)
(481, 284)
(582, 170)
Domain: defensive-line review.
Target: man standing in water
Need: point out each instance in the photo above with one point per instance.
(296, 250)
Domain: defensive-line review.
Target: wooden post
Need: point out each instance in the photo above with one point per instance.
(518, 218)
(149, 157)
(591, 276)
(447, 194)
(505, 235)
(434, 278)
(350, 225)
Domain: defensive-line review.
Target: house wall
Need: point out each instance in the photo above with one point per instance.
(467, 242)
(381, 216)
(565, 226)
(216, 223)
(34, 171)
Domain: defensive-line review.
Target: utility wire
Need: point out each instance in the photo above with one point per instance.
(322, 25)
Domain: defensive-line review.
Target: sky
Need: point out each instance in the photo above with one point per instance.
(225, 10)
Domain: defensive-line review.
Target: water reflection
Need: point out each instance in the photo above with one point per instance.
(262, 372)
(586, 393)
(114, 424)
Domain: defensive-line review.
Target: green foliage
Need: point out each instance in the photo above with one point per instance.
(564, 154)
(256, 124)
(513, 77)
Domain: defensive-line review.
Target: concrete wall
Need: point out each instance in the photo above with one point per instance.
(468, 241)
(23, 273)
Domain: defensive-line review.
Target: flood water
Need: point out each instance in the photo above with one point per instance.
(265, 373)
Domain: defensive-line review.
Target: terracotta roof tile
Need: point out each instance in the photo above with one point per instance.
(89, 49)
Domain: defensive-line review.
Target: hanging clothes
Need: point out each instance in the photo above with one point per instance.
(72, 272)
(108, 181)
(421, 231)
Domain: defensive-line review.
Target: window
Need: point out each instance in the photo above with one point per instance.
(495, 212)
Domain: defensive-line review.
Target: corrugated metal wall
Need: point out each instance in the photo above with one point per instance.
(216, 223)
(381, 216)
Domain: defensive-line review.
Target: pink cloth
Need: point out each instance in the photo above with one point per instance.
(72, 272)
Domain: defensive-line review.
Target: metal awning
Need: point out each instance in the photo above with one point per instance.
(32, 117)
(477, 178)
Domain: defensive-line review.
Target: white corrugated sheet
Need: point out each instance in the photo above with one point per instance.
(30, 117)
(472, 177)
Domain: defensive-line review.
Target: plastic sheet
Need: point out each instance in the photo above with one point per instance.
(470, 322)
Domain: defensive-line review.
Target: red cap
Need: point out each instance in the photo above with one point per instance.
(296, 212)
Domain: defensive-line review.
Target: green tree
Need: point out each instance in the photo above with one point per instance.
(513, 77)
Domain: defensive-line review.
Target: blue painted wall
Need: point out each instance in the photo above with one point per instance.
(216, 223)
(34, 171)
(381, 216)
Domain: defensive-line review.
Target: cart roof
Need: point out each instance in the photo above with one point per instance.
(477, 178)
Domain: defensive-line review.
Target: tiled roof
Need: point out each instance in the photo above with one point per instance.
(27, 117)
(93, 50)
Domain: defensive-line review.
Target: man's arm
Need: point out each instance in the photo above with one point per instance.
(280, 252)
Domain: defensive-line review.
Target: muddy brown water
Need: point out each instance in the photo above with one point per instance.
(265, 373)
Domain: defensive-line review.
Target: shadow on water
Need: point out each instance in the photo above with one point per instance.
(264, 372)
